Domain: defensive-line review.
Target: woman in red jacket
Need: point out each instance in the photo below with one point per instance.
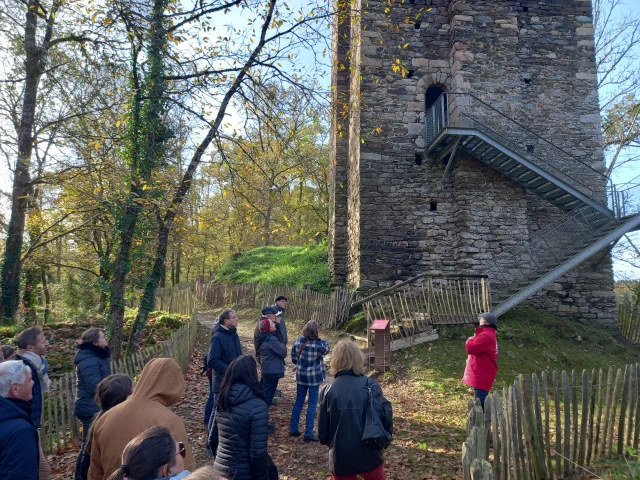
(482, 362)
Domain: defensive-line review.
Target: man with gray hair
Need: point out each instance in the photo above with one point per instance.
(19, 450)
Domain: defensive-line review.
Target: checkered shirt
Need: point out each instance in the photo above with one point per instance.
(310, 369)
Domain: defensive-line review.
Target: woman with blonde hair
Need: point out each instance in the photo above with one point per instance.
(307, 355)
(341, 420)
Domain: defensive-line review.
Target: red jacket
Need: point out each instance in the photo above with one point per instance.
(482, 363)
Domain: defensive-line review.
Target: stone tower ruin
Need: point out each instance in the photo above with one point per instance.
(466, 140)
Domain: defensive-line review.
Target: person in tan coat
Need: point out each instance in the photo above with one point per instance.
(161, 384)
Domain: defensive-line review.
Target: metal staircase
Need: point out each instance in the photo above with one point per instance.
(594, 218)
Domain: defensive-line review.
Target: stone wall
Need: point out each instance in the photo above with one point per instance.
(531, 60)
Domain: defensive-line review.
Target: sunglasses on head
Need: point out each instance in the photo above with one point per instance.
(182, 450)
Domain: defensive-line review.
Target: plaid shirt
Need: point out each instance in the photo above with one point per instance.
(310, 364)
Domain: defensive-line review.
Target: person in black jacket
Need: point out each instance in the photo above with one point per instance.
(225, 346)
(239, 431)
(19, 450)
(342, 412)
(92, 365)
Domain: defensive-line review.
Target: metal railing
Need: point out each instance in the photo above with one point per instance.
(548, 249)
(463, 110)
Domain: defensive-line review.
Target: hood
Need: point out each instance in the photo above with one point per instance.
(240, 393)
(161, 380)
(11, 410)
(89, 350)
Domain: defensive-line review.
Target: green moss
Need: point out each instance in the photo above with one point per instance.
(291, 266)
(357, 324)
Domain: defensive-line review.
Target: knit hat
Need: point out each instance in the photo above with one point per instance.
(490, 317)
(280, 297)
(269, 311)
(264, 325)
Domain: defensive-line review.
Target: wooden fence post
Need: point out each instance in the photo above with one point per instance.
(532, 435)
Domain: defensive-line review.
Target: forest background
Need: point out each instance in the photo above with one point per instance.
(145, 142)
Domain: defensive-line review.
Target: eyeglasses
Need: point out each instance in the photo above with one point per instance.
(182, 450)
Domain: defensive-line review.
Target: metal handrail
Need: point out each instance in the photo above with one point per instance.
(553, 145)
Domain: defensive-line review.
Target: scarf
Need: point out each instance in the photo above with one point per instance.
(42, 367)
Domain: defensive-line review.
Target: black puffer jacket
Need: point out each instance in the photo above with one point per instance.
(238, 437)
(92, 365)
(223, 349)
(342, 412)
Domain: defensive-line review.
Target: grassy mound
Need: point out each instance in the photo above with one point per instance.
(291, 266)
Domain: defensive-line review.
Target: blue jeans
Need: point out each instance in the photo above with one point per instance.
(481, 394)
(312, 405)
(269, 383)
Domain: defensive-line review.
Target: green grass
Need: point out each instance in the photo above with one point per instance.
(290, 266)
(529, 341)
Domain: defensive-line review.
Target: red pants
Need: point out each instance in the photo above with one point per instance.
(377, 474)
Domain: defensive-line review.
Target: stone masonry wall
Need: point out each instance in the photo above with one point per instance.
(531, 60)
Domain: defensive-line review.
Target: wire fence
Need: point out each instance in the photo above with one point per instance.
(60, 427)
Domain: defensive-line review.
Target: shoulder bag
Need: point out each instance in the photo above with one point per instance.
(374, 435)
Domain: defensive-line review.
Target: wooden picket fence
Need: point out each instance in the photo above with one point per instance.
(423, 301)
(59, 427)
(555, 427)
(328, 310)
(178, 299)
(629, 319)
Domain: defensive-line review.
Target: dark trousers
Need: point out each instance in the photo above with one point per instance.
(481, 394)
(86, 423)
(269, 383)
(209, 406)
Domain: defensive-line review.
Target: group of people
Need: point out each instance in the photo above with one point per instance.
(130, 433)
(237, 411)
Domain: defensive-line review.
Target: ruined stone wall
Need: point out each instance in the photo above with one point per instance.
(531, 60)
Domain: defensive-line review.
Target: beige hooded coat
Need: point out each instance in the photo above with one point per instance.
(161, 385)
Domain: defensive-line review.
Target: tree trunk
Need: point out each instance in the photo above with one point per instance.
(47, 295)
(173, 267)
(267, 226)
(149, 136)
(35, 61)
(28, 304)
(121, 268)
(147, 302)
(178, 264)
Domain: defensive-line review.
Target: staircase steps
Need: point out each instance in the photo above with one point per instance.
(588, 225)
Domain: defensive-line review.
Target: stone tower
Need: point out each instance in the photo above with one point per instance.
(524, 72)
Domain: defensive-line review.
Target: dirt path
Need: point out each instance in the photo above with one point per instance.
(426, 440)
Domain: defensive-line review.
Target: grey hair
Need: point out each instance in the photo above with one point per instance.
(12, 372)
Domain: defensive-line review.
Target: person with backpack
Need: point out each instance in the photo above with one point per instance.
(307, 355)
